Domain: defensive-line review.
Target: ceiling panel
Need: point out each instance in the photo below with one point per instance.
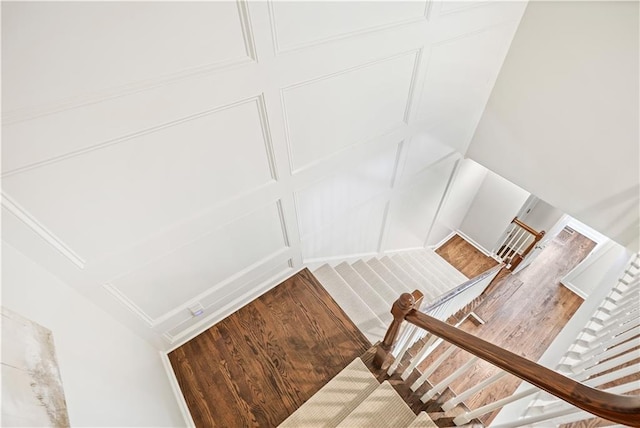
(111, 197)
(328, 115)
(170, 281)
(297, 24)
(58, 52)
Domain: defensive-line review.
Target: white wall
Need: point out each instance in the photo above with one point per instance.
(495, 205)
(259, 135)
(111, 377)
(543, 216)
(562, 120)
(468, 179)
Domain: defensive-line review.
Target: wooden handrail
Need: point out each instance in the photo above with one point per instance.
(526, 227)
(622, 409)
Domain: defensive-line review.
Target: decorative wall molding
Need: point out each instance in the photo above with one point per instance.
(181, 338)
(259, 100)
(157, 321)
(416, 53)
(465, 6)
(392, 25)
(129, 304)
(39, 229)
(29, 113)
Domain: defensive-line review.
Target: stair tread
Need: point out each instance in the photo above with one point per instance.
(355, 308)
(448, 279)
(382, 408)
(391, 279)
(425, 283)
(378, 284)
(405, 277)
(437, 258)
(422, 421)
(375, 302)
(335, 400)
(435, 283)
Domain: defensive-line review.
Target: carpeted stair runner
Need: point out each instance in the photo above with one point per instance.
(354, 398)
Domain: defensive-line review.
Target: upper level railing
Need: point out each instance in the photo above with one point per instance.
(517, 242)
(606, 351)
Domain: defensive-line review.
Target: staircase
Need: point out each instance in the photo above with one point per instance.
(354, 398)
(365, 289)
(598, 376)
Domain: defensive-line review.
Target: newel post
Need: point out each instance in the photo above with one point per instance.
(399, 310)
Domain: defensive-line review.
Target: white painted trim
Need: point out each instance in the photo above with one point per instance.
(39, 229)
(206, 323)
(446, 192)
(279, 51)
(258, 100)
(474, 243)
(575, 290)
(443, 241)
(33, 112)
(177, 392)
(403, 123)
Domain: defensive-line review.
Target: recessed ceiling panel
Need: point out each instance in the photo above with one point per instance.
(327, 115)
(181, 275)
(114, 196)
(297, 24)
(55, 52)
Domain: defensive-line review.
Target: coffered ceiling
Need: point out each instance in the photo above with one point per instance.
(160, 155)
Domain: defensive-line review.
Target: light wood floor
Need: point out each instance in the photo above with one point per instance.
(260, 364)
(523, 313)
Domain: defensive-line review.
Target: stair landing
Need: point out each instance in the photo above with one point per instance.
(257, 366)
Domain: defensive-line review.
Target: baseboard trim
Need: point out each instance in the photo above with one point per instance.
(190, 332)
(444, 240)
(575, 290)
(177, 392)
(402, 250)
(474, 243)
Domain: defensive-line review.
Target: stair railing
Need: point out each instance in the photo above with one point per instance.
(441, 308)
(605, 351)
(517, 242)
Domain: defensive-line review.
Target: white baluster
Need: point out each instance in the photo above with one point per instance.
(617, 350)
(442, 385)
(471, 391)
(420, 356)
(405, 345)
(433, 367)
(467, 417)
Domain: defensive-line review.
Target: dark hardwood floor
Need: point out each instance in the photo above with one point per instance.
(523, 313)
(261, 363)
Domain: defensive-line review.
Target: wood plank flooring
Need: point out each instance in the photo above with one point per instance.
(261, 363)
(465, 257)
(523, 313)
